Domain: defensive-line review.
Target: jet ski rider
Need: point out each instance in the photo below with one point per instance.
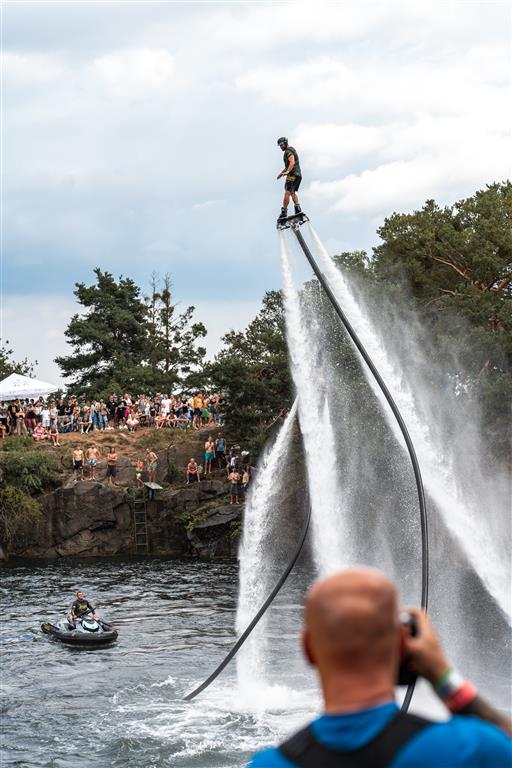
(80, 607)
(293, 177)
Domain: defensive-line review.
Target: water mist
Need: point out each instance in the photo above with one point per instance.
(329, 541)
(260, 518)
(466, 525)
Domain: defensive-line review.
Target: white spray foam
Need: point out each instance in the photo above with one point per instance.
(465, 526)
(261, 509)
(317, 432)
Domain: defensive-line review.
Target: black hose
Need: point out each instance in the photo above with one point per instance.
(401, 424)
(245, 634)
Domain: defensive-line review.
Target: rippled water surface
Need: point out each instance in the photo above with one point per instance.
(122, 705)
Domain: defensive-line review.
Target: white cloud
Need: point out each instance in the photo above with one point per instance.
(208, 204)
(323, 145)
(373, 87)
(405, 184)
(153, 116)
(427, 158)
(22, 69)
(264, 26)
(132, 74)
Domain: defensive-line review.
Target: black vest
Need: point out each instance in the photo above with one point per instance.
(306, 751)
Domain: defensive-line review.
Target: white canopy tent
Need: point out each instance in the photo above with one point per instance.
(16, 386)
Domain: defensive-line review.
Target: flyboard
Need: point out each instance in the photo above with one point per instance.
(294, 223)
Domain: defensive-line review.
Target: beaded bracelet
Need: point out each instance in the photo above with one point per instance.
(456, 692)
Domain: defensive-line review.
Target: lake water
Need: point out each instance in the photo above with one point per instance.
(123, 705)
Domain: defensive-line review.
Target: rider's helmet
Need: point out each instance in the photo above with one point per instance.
(282, 142)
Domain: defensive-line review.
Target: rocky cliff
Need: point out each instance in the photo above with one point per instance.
(92, 518)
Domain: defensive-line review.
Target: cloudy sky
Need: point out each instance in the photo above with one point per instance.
(141, 136)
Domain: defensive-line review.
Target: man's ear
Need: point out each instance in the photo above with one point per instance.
(306, 648)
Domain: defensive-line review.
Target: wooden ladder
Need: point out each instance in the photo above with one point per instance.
(140, 525)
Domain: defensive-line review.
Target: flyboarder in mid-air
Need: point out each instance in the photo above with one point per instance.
(293, 178)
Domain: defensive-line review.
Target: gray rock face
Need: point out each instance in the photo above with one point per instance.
(90, 518)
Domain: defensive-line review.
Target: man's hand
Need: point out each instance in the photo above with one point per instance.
(425, 650)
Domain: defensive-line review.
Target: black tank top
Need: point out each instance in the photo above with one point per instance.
(286, 157)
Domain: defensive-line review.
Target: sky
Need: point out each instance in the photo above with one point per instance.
(141, 137)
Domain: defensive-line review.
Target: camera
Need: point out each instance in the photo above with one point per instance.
(406, 675)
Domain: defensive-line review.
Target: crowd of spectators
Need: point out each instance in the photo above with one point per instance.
(235, 462)
(47, 419)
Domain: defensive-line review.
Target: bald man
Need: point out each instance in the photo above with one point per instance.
(354, 638)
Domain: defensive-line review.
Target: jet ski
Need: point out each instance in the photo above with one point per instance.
(86, 630)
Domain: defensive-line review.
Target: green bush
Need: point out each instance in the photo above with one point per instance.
(28, 471)
(19, 513)
(22, 443)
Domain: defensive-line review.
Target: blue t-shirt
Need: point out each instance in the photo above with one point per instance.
(462, 742)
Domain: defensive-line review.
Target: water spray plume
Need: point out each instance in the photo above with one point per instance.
(466, 528)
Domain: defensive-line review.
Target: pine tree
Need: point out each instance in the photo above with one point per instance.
(172, 335)
(126, 343)
(253, 371)
(110, 341)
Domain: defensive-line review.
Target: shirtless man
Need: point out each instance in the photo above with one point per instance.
(111, 465)
(234, 486)
(209, 455)
(152, 460)
(192, 472)
(93, 455)
(139, 469)
(78, 464)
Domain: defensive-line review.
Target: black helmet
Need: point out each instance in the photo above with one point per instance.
(282, 140)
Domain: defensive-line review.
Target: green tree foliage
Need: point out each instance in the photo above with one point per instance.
(29, 470)
(24, 472)
(455, 265)
(19, 514)
(173, 353)
(8, 365)
(126, 343)
(253, 371)
(110, 340)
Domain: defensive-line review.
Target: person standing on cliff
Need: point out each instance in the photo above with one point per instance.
(220, 450)
(152, 459)
(209, 455)
(111, 465)
(234, 486)
(93, 455)
(139, 469)
(78, 464)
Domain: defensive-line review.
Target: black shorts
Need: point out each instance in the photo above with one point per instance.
(292, 183)
(111, 470)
